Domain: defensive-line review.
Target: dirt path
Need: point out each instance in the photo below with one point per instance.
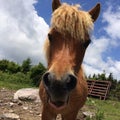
(25, 110)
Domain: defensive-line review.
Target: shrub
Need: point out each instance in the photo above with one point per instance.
(26, 65)
(15, 81)
(9, 66)
(36, 73)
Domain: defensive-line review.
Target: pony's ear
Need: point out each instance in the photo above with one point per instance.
(55, 4)
(94, 12)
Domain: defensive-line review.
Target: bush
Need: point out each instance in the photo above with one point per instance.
(15, 81)
(9, 66)
(26, 65)
(36, 74)
(4, 65)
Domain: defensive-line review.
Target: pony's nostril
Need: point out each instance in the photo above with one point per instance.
(46, 79)
(71, 82)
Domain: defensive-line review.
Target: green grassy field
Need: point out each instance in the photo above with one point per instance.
(15, 81)
(106, 109)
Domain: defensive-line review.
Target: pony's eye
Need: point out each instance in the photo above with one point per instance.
(50, 36)
(86, 43)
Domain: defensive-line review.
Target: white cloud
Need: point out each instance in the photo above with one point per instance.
(22, 31)
(112, 18)
(95, 51)
(95, 60)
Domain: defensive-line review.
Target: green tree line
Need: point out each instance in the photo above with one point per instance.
(25, 72)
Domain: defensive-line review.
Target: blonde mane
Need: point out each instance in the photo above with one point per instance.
(68, 19)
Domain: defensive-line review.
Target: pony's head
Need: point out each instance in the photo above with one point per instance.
(68, 38)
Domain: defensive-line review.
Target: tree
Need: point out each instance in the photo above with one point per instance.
(89, 77)
(112, 80)
(103, 76)
(4, 65)
(26, 65)
(110, 77)
(36, 73)
(13, 67)
(9, 66)
(94, 77)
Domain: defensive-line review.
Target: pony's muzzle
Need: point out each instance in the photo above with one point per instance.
(58, 90)
(67, 82)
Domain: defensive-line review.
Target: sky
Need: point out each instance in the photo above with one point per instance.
(24, 25)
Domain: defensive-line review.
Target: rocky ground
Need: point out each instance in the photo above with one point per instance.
(11, 109)
(16, 109)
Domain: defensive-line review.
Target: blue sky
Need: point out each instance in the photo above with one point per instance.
(25, 24)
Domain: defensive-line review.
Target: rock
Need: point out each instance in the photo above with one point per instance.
(1, 101)
(3, 90)
(89, 114)
(40, 115)
(19, 103)
(9, 116)
(59, 117)
(27, 94)
(11, 104)
(37, 113)
(15, 101)
(25, 108)
(11, 111)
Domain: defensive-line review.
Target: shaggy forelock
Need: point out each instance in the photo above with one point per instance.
(68, 19)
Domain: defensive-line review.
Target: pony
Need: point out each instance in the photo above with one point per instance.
(63, 89)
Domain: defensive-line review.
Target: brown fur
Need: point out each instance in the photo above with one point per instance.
(70, 28)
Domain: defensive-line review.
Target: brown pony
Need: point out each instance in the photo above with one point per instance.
(63, 89)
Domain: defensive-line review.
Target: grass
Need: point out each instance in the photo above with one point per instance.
(108, 108)
(15, 81)
(13, 86)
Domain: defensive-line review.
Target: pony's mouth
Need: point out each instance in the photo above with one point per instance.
(58, 105)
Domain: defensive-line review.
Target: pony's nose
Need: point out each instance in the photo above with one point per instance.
(70, 82)
(47, 77)
(67, 82)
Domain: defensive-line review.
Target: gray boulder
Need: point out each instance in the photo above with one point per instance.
(27, 94)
